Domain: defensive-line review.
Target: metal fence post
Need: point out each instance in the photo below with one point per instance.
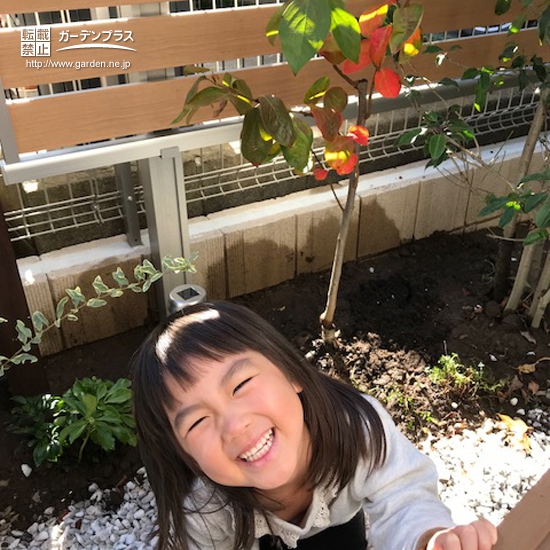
(164, 194)
(123, 177)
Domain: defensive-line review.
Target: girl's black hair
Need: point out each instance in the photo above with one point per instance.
(343, 426)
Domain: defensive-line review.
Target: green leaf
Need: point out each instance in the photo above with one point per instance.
(502, 6)
(470, 73)
(39, 321)
(408, 137)
(459, 126)
(96, 302)
(73, 431)
(508, 52)
(538, 176)
(207, 96)
(186, 110)
(533, 201)
(99, 286)
(303, 28)
(523, 80)
(76, 296)
(507, 216)
(482, 88)
(276, 120)
(449, 82)
(120, 278)
(517, 23)
(347, 33)
(103, 436)
(60, 308)
(493, 204)
(299, 154)
(437, 144)
(542, 216)
(23, 358)
(335, 98)
(255, 145)
(539, 68)
(72, 317)
(90, 403)
(405, 21)
(317, 90)
(544, 25)
(3, 320)
(116, 293)
(272, 28)
(536, 236)
(194, 69)
(432, 48)
(24, 333)
(242, 101)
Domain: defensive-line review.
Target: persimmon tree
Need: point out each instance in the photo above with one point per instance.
(385, 38)
(445, 135)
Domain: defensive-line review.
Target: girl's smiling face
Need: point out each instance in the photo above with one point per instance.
(243, 424)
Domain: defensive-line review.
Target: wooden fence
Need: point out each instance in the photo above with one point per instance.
(174, 40)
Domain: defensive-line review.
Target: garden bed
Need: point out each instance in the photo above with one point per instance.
(398, 314)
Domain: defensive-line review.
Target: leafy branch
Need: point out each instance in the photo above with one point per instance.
(69, 307)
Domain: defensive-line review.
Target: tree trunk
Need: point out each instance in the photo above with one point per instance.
(327, 317)
(502, 269)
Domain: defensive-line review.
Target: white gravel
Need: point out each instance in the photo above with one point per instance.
(483, 472)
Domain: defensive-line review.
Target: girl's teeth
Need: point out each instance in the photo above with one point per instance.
(260, 449)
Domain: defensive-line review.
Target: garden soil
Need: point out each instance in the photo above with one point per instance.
(398, 313)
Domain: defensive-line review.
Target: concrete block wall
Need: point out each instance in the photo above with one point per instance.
(248, 248)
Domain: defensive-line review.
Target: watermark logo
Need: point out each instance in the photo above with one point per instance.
(36, 41)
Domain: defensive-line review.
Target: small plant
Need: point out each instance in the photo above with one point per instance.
(92, 409)
(99, 410)
(452, 374)
(38, 418)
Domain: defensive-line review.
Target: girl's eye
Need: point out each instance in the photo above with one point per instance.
(196, 423)
(239, 386)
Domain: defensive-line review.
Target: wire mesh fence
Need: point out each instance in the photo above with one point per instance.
(46, 214)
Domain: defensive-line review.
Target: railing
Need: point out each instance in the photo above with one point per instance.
(129, 105)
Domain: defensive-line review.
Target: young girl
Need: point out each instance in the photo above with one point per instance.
(248, 447)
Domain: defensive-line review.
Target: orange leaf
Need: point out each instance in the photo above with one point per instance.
(347, 168)
(328, 121)
(369, 21)
(364, 59)
(320, 174)
(340, 154)
(387, 83)
(379, 42)
(411, 47)
(359, 134)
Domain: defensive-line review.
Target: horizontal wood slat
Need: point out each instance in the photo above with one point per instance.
(160, 41)
(30, 6)
(51, 122)
(208, 36)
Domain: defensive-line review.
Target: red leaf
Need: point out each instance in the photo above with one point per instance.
(370, 20)
(328, 121)
(387, 82)
(379, 44)
(359, 134)
(320, 174)
(364, 59)
(348, 167)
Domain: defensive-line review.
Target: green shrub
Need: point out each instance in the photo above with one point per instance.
(38, 418)
(99, 410)
(92, 409)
